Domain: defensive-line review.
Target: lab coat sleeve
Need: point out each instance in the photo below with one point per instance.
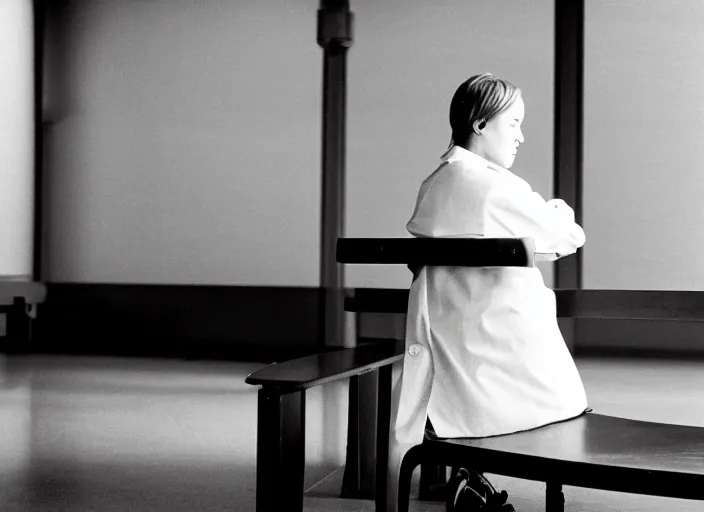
(525, 213)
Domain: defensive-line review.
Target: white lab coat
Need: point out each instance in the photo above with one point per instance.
(484, 354)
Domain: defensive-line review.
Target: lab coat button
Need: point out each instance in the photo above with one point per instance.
(414, 349)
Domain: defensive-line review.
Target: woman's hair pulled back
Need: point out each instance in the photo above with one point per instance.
(479, 98)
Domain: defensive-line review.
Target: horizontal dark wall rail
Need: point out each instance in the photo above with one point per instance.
(579, 304)
(251, 323)
(631, 304)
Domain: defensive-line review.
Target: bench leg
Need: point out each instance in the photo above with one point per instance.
(280, 450)
(358, 480)
(351, 479)
(554, 498)
(383, 426)
(410, 462)
(433, 480)
(17, 326)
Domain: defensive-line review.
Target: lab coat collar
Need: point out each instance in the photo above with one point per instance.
(458, 153)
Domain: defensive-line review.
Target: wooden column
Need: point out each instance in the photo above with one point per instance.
(39, 13)
(569, 71)
(335, 21)
(335, 38)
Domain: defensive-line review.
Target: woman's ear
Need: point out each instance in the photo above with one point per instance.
(478, 126)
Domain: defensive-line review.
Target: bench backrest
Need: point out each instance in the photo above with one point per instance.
(485, 252)
(465, 252)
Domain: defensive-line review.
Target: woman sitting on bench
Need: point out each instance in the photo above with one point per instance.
(484, 353)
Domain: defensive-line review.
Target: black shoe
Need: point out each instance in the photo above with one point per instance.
(460, 497)
(469, 491)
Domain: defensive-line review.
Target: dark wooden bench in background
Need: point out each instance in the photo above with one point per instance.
(596, 451)
(18, 303)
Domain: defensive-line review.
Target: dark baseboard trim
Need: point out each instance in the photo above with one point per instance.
(678, 339)
(269, 324)
(637, 353)
(240, 323)
(182, 351)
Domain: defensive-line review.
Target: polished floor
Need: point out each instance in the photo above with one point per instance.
(111, 434)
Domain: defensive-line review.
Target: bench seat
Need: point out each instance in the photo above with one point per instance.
(326, 367)
(594, 451)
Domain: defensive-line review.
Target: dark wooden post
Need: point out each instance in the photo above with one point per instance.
(335, 38)
(569, 71)
(335, 21)
(38, 8)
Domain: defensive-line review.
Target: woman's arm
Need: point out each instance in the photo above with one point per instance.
(526, 214)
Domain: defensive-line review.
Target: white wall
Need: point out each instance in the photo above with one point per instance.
(16, 139)
(186, 143)
(643, 151)
(185, 147)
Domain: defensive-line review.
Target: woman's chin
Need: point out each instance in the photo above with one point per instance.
(508, 162)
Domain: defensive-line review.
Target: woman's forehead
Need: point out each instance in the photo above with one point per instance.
(516, 110)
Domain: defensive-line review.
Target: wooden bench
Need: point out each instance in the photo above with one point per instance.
(281, 413)
(596, 451)
(18, 302)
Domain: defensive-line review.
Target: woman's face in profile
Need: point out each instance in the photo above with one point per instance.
(502, 135)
